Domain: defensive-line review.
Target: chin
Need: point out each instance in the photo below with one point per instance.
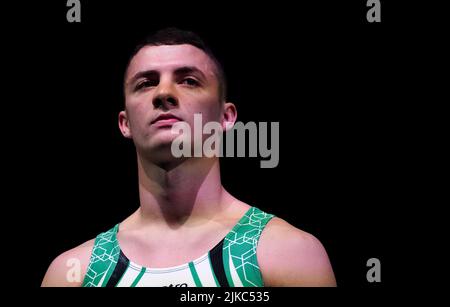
(162, 138)
(164, 159)
(158, 150)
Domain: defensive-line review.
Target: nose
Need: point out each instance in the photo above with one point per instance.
(165, 98)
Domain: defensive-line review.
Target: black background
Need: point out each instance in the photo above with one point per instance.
(335, 83)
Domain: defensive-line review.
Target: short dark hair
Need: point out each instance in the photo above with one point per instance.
(175, 36)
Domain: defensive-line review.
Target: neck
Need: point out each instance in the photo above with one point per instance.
(181, 196)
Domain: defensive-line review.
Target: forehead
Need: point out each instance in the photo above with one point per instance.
(168, 58)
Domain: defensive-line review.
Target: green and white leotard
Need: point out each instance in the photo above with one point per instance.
(231, 263)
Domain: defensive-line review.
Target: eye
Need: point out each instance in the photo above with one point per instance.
(190, 81)
(146, 83)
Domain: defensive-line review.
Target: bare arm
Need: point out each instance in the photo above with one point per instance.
(289, 256)
(69, 268)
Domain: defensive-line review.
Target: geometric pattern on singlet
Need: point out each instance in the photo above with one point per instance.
(231, 263)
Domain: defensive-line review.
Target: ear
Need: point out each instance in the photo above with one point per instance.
(229, 116)
(124, 124)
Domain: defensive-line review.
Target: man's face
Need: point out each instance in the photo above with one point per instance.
(168, 80)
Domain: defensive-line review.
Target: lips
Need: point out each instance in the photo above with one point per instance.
(165, 119)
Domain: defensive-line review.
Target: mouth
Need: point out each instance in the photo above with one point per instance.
(165, 119)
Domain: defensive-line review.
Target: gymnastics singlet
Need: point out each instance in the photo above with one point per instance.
(231, 263)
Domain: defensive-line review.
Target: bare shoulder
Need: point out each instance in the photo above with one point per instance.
(69, 268)
(288, 256)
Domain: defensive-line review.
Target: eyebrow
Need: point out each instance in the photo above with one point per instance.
(184, 70)
(144, 73)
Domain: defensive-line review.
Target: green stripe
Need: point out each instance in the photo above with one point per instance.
(104, 256)
(226, 264)
(112, 266)
(212, 271)
(138, 278)
(198, 283)
(112, 246)
(244, 244)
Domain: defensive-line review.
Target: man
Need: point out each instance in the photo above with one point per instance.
(188, 230)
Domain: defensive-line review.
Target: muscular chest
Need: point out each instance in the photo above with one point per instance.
(161, 251)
